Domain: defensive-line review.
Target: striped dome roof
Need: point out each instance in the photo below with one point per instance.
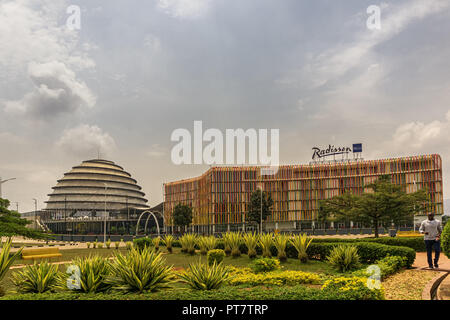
(88, 185)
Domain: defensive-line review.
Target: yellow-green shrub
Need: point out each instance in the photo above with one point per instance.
(251, 240)
(276, 278)
(168, 241)
(353, 288)
(266, 242)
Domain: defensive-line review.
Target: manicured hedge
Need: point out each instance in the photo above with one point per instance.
(445, 237)
(368, 252)
(141, 243)
(415, 243)
(369, 249)
(298, 292)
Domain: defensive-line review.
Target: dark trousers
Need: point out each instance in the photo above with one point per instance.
(430, 244)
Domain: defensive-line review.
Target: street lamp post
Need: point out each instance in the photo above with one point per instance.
(35, 212)
(104, 227)
(261, 205)
(2, 182)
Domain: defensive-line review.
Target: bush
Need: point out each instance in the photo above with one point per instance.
(38, 278)
(227, 243)
(100, 245)
(446, 240)
(280, 241)
(352, 288)
(344, 258)
(265, 264)
(7, 259)
(368, 252)
(117, 244)
(202, 276)
(240, 292)
(168, 242)
(266, 243)
(388, 266)
(206, 243)
(188, 242)
(276, 278)
(108, 244)
(88, 245)
(142, 243)
(129, 245)
(215, 256)
(140, 271)
(251, 242)
(391, 264)
(155, 242)
(235, 241)
(415, 243)
(301, 244)
(93, 273)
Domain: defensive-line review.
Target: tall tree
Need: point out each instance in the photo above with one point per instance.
(182, 215)
(254, 208)
(11, 224)
(383, 203)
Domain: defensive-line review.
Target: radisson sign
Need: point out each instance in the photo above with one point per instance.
(332, 151)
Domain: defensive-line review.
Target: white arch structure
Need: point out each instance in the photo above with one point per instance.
(150, 214)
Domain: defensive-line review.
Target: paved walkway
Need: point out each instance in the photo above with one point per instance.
(444, 265)
(421, 261)
(444, 289)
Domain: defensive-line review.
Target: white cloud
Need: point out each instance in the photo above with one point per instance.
(33, 32)
(418, 135)
(336, 62)
(57, 91)
(85, 141)
(42, 49)
(188, 9)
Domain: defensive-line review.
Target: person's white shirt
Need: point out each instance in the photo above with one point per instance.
(432, 227)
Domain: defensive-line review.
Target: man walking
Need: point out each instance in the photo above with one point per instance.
(432, 230)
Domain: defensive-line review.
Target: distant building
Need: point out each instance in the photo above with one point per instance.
(220, 196)
(84, 195)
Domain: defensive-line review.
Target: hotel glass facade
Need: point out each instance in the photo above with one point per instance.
(220, 196)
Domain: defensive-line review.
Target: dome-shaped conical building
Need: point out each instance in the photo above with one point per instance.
(89, 186)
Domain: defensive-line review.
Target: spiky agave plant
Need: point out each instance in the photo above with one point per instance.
(168, 241)
(202, 244)
(38, 278)
(156, 241)
(140, 271)
(266, 242)
(182, 240)
(251, 240)
(211, 243)
(280, 241)
(301, 243)
(344, 258)
(188, 242)
(226, 243)
(93, 271)
(235, 239)
(7, 259)
(202, 276)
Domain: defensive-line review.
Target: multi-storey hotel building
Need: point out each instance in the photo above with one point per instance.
(220, 196)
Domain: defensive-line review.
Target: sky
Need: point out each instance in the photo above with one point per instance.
(136, 71)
